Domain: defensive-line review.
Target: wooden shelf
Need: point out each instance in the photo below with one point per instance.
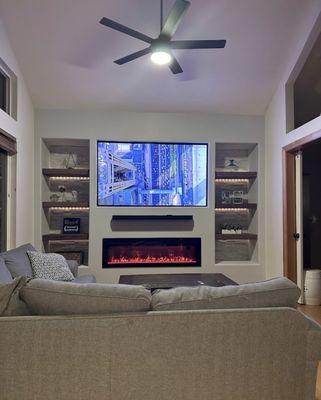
(235, 175)
(71, 205)
(64, 237)
(250, 206)
(242, 236)
(66, 172)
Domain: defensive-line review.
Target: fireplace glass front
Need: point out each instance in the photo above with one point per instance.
(151, 252)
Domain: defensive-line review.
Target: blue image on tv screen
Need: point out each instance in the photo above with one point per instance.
(151, 174)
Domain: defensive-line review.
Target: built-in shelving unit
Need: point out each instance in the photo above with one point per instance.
(65, 194)
(236, 198)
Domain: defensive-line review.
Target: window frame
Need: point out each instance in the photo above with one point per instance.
(7, 92)
(11, 90)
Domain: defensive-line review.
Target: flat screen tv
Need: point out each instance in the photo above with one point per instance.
(141, 174)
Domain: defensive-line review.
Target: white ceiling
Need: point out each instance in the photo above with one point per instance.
(66, 56)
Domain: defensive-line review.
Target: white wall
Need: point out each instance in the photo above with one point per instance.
(95, 125)
(276, 138)
(23, 131)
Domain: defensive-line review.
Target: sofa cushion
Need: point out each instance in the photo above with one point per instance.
(85, 279)
(73, 266)
(49, 266)
(278, 292)
(17, 260)
(10, 302)
(45, 297)
(5, 276)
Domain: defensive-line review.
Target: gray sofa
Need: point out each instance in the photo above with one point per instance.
(196, 347)
(239, 354)
(15, 262)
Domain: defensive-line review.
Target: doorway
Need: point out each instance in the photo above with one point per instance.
(311, 158)
(301, 199)
(3, 199)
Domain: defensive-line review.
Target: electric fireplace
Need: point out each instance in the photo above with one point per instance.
(151, 252)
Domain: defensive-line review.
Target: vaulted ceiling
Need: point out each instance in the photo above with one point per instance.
(66, 56)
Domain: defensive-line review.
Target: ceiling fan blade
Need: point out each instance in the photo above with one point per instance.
(174, 66)
(132, 56)
(174, 18)
(124, 29)
(197, 44)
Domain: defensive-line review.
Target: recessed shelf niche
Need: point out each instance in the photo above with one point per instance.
(236, 198)
(65, 194)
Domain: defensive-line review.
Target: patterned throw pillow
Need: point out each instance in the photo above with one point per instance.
(49, 266)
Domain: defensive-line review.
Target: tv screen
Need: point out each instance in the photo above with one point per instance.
(151, 174)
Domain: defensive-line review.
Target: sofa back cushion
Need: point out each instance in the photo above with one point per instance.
(10, 302)
(278, 292)
(17, 260)
(45, 297)
(5, 276)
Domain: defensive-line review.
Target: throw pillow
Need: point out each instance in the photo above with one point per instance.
(10, 302)
(278, 292)
(49, 266)
(45, 297)
(5, 276)
(17, 260)
(73, 266)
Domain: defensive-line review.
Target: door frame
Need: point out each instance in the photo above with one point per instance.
(289, 203)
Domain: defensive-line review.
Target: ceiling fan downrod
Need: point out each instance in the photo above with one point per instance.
(161, 15)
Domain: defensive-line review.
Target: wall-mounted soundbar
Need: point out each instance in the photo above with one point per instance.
(152, 217)
(152, 223)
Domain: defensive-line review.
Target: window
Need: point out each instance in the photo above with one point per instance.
(8, 90)
(4, 92)
(307, 88)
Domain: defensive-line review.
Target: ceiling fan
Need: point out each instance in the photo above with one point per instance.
(161, 47)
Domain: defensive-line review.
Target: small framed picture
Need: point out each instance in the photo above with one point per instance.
(230, 163)
(71, 225)
(226, 197)
(238, 197)
(236, 163)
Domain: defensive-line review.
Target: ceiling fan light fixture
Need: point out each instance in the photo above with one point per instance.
(161, 47)
(161, 57)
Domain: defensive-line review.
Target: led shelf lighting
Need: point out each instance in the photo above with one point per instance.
(232, 180)
(69, 178)
(232, 209)
(64, 208)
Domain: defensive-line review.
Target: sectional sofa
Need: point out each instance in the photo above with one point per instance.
(15, 262)
(117, 342)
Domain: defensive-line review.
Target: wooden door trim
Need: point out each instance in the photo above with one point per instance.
(8, 143)
(289, 206)
(289, 220)
(303, 142)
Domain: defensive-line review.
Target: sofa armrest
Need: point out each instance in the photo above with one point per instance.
(313, 357)
(313, 325)
(73, 266)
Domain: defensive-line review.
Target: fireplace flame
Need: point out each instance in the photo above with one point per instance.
(152, 260)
